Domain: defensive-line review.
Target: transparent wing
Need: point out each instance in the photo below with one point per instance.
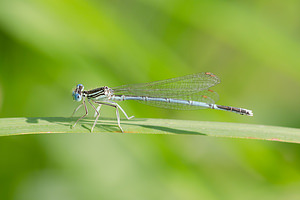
(206, 96)
(174, 87)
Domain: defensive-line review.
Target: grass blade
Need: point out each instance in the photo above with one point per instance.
(20, 126)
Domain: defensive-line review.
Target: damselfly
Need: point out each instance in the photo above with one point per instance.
(183, 93)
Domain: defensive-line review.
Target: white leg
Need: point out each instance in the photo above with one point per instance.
(118, 118)
(76, 109)
(98, 114)
(86, 112)
(114, 103)
(98, 109)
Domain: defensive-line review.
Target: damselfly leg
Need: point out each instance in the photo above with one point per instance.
(86, 112)
(76, 109)
(112, 104)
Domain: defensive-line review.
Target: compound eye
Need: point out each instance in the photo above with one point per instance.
(80, 87)
(77, 97)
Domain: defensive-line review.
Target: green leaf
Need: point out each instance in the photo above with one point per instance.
(21, 126)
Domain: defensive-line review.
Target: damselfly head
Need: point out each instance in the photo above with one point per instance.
(77, 93)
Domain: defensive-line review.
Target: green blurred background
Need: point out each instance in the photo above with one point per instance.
(47, 47)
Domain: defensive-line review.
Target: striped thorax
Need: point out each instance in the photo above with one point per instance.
(102, 93)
